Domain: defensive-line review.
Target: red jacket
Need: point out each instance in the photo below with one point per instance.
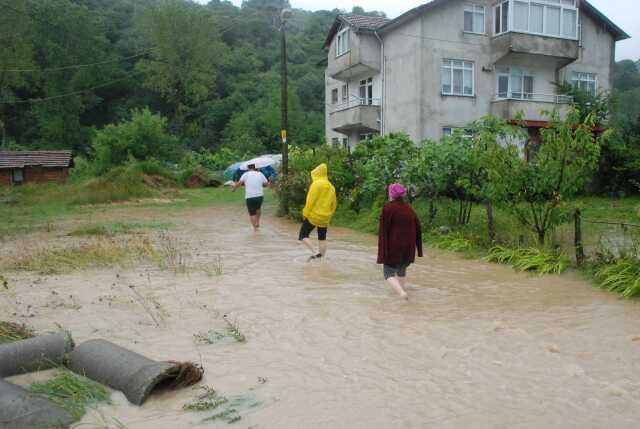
(399, 234)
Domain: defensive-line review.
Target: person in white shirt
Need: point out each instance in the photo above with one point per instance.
(254, 182)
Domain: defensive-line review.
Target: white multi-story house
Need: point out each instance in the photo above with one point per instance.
(447, 63)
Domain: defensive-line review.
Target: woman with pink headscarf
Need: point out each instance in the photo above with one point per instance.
(399, 236)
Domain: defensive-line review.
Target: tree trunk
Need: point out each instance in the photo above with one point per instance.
(541, 236)
(432, 211)
(491, 226)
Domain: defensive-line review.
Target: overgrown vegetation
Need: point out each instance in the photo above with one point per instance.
(117, 228)
(620, 276)
(71, 392)
(541, 261)
(99, 253)
(11, 332)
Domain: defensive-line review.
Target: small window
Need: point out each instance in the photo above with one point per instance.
(345, 143)
(343, 42)
(366, 137)
(334, 96)
(587, 82)
(457, 78)
(17, 175)
(474, 19)
(345, 93)
(335, 142)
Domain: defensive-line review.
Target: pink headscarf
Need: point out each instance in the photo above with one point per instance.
(396, 191)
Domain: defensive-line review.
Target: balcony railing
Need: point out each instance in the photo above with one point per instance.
(356, 102)
(541, 98)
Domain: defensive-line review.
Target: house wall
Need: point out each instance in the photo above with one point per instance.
(45, 175)
(597, 54)
(5, 177)
(414, 53)
(36, 174)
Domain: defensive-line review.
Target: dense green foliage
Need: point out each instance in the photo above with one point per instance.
(68, 67)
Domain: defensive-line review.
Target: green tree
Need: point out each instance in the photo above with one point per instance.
(144, 137)
(536, 190)
(186, 53)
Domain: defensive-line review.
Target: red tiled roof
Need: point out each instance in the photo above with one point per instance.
(44, 158)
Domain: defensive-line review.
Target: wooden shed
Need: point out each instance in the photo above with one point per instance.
(41, 166)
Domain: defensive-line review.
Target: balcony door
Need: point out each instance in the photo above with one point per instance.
(366, 91)
(515, 83)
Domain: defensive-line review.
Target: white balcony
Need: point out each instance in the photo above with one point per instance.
(509, 106)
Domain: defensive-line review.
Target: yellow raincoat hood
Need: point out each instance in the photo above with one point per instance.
(321, 199)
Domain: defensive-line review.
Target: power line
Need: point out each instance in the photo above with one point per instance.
(69, 94)
(77, 66)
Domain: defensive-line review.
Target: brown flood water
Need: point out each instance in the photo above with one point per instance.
(477, 346)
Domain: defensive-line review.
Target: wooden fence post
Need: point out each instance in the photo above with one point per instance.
(578, 239)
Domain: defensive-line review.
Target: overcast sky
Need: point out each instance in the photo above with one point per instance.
(623, 12)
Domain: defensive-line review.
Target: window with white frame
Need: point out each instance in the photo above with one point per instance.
(366, 91)
(342, 42)
(587, 82)
(515, 83)
(345, 143)
(457, 78)
(334, 96)
(474, 19)
(557, 18)
(345, 93)
(335, 142)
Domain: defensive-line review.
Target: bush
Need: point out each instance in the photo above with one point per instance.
(621, 276)
(536, 260)
(134, 180)
(142, 138)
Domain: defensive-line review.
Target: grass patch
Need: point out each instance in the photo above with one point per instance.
(454, 242)
(117, 228)
(529, 259)
(621, 276)
(213, 337)
(71, 392)
(206, 401)
(101, 253)
(11, 332)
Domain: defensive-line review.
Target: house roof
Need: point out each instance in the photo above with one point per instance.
(617, 32)
(357, 22)
(43, 158)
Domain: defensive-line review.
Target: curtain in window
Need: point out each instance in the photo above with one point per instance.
(553, 21)
(505, 16)
(521, 16)
(457, 81)
(446, 80)
(569, 24)
(537, 18)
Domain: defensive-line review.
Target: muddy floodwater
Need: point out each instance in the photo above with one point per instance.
(329, 345)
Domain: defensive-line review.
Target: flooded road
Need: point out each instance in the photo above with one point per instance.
(330, 346)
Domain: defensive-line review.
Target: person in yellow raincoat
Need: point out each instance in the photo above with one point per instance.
(317, 213)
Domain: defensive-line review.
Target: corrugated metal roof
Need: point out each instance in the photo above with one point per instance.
(44, 158)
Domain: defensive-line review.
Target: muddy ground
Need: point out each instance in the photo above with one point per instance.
(327, 343)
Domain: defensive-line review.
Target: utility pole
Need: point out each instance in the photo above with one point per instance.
(284, 15)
